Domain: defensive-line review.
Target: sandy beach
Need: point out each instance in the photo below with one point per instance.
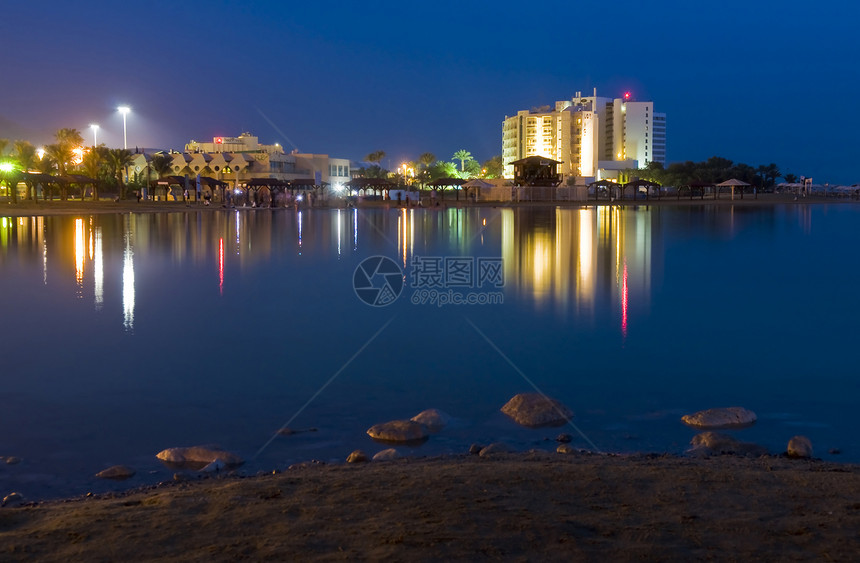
(520, 507)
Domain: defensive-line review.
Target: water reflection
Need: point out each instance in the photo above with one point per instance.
(576, 260)
(128, 276)
(80, 251)
(98, 269)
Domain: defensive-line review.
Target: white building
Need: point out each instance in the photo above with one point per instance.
(593, 137)
(234, 159)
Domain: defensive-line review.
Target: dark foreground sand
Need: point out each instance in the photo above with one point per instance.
(535, 507)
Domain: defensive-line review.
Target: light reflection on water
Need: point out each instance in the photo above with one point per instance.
(632, 316)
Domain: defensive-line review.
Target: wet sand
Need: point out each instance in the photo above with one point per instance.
(532, 506)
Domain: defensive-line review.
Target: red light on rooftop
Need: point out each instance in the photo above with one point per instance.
(219, 141)
(626, 95)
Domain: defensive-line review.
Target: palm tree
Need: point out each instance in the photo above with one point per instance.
(462, 155)
(9, 173)
(375, 157)
(772, 173)
(117, 161)
(25, 153)
(45, 165)
(92, 164)
(427, 159)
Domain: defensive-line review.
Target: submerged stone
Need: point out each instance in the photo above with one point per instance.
(117, 472)
(400, 431)
(729, 417)
(197, 457)
(433, 419)
(496, 448)
(535, 410)
(799, 447)
(715, 443)
(386, 455)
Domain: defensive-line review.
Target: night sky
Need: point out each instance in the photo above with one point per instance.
(753, 81)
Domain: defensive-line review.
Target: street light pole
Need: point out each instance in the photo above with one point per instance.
(124, 111)
(95, 129)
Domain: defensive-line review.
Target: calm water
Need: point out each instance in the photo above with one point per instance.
(124, 335)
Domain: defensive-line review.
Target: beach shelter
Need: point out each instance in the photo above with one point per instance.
(701, 186)
(450, 182)
(369, 186)
(636, 184)
(478, 184)
(608, 185)
(733, 183)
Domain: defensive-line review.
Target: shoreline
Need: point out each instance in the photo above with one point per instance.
(31, 209)
(534, 505)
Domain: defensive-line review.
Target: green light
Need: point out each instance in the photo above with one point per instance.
(7, 167)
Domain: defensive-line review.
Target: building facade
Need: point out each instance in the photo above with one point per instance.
(234, 159)
(593, 137)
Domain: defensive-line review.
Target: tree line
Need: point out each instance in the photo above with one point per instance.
(19, 159)
(712, 171)
(428, 168)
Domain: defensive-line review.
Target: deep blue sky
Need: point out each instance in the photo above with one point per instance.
(753, 81)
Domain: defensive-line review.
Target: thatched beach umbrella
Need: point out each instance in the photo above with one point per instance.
(734, 182)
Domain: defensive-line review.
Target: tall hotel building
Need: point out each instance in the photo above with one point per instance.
(592, 137)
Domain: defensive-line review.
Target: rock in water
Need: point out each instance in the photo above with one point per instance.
(399, 431)
(494, 449)
(357, 456)
(799, 447)
(196, 457)
(433, 419)
(214, 467)
(535, 410)
(729, 417)
(13, 499)
(565, 448)
(386, 455)
(117, 472)
(715, 443)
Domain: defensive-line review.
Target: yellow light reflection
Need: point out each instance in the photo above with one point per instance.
(98, 270)
(80, 250)
(128, 282)
(221, 266)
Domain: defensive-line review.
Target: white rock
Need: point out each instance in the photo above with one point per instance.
(118, 472)
(729, 417)
(535, 410)
(13, 499)
(398, 431)
(715, 443)
(386, 455)
(198, 456)
(433, 419)
(214, 467)
(495, 448)
(800, 447)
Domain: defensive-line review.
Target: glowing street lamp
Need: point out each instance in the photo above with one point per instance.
(124, 111)
(95, 129)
